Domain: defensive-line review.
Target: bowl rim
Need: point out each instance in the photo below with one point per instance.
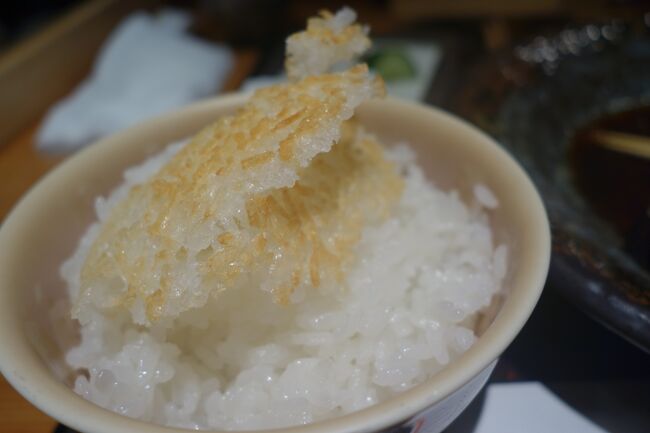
(29, 375)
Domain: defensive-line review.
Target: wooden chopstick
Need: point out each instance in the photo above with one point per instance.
(630, 144)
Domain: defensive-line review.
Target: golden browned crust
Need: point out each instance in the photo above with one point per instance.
(323, 44)
(256, 198)
(318, 222)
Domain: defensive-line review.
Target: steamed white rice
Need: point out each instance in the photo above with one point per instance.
(244, 362)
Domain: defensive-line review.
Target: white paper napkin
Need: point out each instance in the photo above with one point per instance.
(148, 65)
(529, 407)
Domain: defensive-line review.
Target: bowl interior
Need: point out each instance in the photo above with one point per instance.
(44, 229)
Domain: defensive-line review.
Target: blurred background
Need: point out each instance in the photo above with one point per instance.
(563, 85)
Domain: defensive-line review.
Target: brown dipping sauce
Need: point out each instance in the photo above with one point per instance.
(616, 185)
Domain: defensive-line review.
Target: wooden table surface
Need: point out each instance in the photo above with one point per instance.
(21, 165)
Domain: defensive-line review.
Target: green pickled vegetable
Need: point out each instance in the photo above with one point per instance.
(391, 64)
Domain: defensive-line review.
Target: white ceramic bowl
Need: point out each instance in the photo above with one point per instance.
(44, 227)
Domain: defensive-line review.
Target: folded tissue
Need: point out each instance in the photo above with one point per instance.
(148, 65)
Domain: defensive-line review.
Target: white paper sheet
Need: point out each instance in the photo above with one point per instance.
(529, 407)
(148, 65)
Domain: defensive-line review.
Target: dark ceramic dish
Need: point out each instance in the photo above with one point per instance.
(536, 99)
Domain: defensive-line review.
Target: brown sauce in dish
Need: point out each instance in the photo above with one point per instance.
(615, 184)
